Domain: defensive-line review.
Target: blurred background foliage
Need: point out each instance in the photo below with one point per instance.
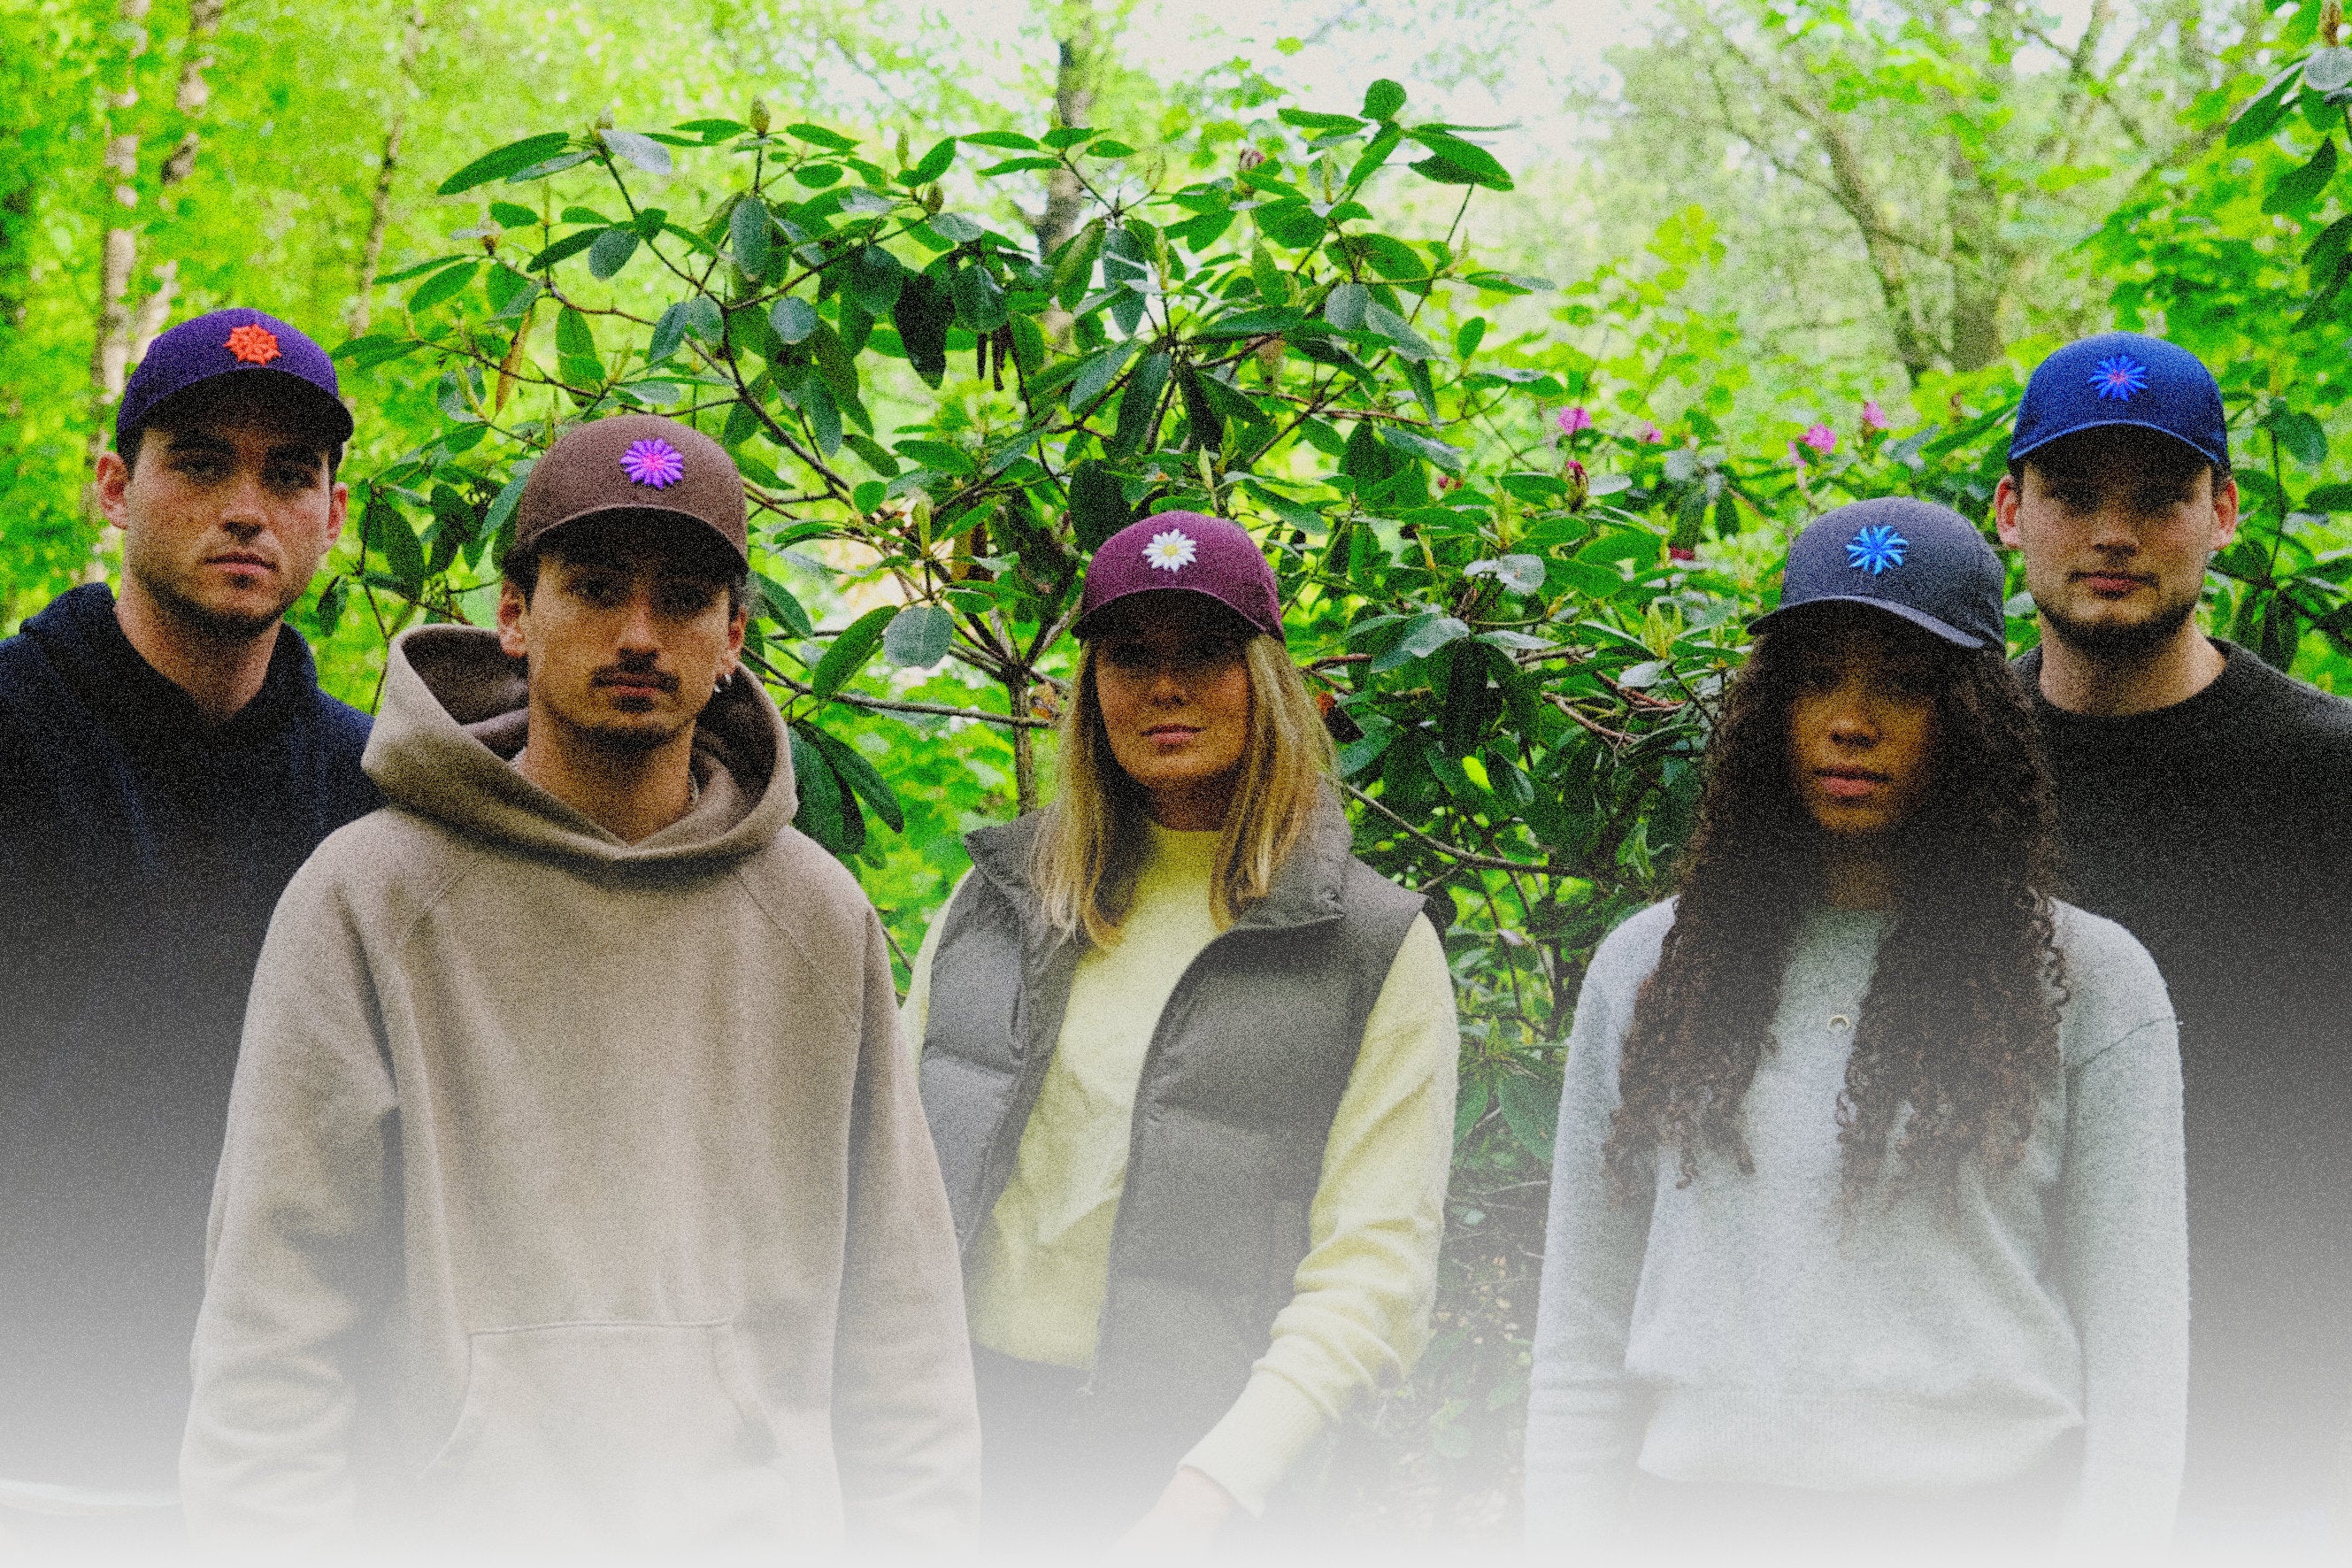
(1525, 439)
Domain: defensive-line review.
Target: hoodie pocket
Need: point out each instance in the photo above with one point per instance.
(612, 1435)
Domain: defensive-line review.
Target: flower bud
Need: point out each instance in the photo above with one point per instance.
(760, 116)
(1250, 158)
(607, 121)
(1579, 484)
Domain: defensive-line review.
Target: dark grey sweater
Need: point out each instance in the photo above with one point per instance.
(1729, 1331)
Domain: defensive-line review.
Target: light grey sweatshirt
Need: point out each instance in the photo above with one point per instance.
(1741, 1330)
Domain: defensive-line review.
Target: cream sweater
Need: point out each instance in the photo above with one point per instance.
(577, 1196)
(1361, 1312)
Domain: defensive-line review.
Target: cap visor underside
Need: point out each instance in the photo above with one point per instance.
(2018, 455)
(1919, 618)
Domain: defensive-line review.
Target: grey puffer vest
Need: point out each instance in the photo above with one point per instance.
(1244, 1074)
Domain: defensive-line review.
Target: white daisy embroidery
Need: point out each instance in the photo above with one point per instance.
(1170, 552)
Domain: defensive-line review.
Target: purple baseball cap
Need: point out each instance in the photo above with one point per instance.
(234, 341)
(1191, 552)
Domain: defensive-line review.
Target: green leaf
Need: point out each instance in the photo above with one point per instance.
(1063, 136)
(503, 504)
(2299, 187)
(819, 814)
(1531, 1111)
(419, 270)
(1378, 153)
(956, 227)
(1107, 148)
(2262, 115)
(1139, 405)
(511, 292)
(825, 415)
(2325, 254)
(1307, 120)
(442, 286)
(1423, 635)
(1010, 140)
(850, 650)
(932, 165)
(1520, 573)
(554, 165)
(513, 215)
(1383, 99)
(572, 334)
(1453, 459)
(874, 276)
(1386, 323)
(922, 315)
(385, 531)
(979, 297)
(1346, 307)
(818, 136)
(668, 333)
(873, 454)
(938, 456)
(1274, 287)
(918, 636)
(2302, 436)
(612, 251)
(794, 318)
(1424, 391)
(852, 768)
(506, 160)
(750, 236)
(778, 604)
(643, 151)
(1096, 371)
(563, 249)
(2328, 498)
(1099, 506)
(1019, 166)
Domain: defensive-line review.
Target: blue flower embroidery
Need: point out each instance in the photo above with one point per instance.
(2118, 377)
(1875, 549)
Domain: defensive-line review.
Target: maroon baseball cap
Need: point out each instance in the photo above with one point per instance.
(238, 342)
(634, 463)
(1190, 552)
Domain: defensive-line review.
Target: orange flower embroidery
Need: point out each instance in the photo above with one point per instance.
(253, 344)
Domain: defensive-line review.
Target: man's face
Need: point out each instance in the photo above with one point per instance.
(223, 522)
(624, 635)
(2116, 531)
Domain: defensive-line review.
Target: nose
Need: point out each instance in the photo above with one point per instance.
(637, 629)
(1851, 721)
(1166, 685)
(2113, 531)
(245, 509)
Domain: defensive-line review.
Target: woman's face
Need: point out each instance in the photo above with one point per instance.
(1862, 729)
(1173, 686)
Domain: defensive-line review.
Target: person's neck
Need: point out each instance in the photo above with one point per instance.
(630, 795)
(2106, 686)
(1858, 875)
(220, 671)
(1192, 808)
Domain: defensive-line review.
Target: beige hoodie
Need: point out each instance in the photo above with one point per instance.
(574, 1195)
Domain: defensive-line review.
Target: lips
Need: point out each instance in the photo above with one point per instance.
(2114, 582)
(1848, 784)
(243, 560)
(635, 683)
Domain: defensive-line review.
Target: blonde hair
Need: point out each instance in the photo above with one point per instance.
(1090, 847)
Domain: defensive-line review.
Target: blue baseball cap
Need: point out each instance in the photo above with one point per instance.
(1910, 558)
(235, 341)
(2123, 378)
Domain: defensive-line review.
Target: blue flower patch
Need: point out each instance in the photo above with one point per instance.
(1875, 549)
(2118, 376)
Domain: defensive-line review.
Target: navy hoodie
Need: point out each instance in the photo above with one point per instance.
(142, 850)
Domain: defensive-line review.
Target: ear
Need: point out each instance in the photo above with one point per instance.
(737, 622)
(514, 621)
(111, 482)
(338, 506)
(2007, 496)
(2225, 513)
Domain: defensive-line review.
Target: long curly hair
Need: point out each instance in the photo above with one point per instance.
(1959, 1036)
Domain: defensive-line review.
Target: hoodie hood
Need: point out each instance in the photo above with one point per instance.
(455, 717)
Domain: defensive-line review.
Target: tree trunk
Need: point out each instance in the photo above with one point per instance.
(125, 327)
(412, 46)
(1080, 42)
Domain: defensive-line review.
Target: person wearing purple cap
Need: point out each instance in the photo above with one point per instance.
(1189, 1066)
(2202, 802)
(1865, 1227)
(576, 1198)
(166, 760)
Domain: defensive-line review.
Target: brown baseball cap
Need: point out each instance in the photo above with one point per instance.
(634, 463)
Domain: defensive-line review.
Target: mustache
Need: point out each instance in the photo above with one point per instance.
(626, 675)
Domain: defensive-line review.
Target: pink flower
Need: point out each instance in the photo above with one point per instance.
(1676, 552)
(1571, 420)
(1873, 417)
(1820, 438)
(1651, 433)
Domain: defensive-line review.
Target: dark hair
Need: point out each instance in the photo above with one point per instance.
(2167, 458)
(519, 565)
(1960, 1026)
(206, 402)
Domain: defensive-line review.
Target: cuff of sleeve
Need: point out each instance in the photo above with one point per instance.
(1259, 1439)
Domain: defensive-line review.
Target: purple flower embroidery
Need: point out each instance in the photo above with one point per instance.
(655, 464)
(2118, 376)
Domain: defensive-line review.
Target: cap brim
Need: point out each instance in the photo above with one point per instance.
(265, 383)
(1919, 618)
(640, 509)
(1093, 617)
(2018, 454)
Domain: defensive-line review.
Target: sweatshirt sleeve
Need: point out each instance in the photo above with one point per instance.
(298, 1252)
(906, 1421)
(2127, 1280)
(1584, 1428)
(1360, 1313)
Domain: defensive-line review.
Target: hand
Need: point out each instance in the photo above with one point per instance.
(1184, 1521)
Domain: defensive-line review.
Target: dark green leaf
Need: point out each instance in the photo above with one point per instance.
(1389, 138)
(668, 333)
(1018, 166)
(2302, 436)
(824, 415)
(850, 650)
(2299, 187)
(820, 815)
(1068, 136)
(1010, 140)
(1098, 507)
(2328, 498)
(1345, 308)
(571, 245)
(1383, 99)
(818, 136)
(918, 636)
(979, 297)
(1422, 636)
(778, 604)
(506, 160)
(1306, 120)
(1531, 1111)
(874, 279)
(922, 315)
(1424, 391)
(794, 318)
(932, 165)
(852, 768)
(2262, 114)
(1107, 148)
(612, 251)
(750, 236)
(386, 533)
(1139, 406)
